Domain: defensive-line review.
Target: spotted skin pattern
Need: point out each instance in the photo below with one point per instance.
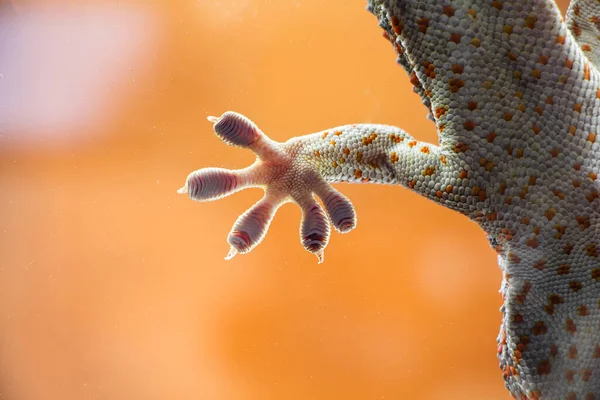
(515, 96)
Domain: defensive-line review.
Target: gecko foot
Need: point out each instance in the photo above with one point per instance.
(287, 173)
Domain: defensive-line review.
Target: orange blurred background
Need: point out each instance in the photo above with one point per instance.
(114, 287)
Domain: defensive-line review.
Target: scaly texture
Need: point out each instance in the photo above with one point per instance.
(515, 96)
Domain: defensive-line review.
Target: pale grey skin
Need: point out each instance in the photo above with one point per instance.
(514, 93)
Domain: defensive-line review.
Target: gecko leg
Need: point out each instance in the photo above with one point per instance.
(305, 166)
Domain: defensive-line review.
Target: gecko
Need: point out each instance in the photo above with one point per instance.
(514, 91)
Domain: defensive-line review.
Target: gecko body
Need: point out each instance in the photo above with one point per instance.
(515, 96)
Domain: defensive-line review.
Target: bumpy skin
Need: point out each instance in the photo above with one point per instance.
(515, 95)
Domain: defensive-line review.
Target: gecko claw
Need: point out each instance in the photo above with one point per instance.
(232, 253)
(212, 119)
(183, 190)
(320, 256)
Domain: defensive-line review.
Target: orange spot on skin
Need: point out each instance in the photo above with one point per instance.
(596, 274)
(511, 56)
(359, 156)
(560, 40)
(368, 140)
(324, 135)
(572, 129)
(411, 184)
(568, 249)
(577, 107)
(539, 328)
(584, 222)
(414, 80)
(535, 395)
(458, 69)
(317, 153)
(439, 111)
(425, 150)
(544, 367)
(570, 326)
(586, 71)
(560, 231)
(550, 213)
(463, 174)
(455, 37)
(575, 286)
(585, 376)
(423, 24)
(543, 60)
(536, 129)
(394, 158)
(582, 310)
(563, 269)
(357, 173)
(536, 73)
(460, 147)
(412, 143)
(514, 258)
(507, 116)
(482, 195)
(591, 138)
(469, 125)
(555, 152)
(448, 10)
(539, 110)
(396, 138)
(569, 63)
(332, 142)
(455, 84)
(443, 159)
(346, 151)
(475, 42)
(553, 300)
(586, 47)
(396, 25)
(439, 194)
(572, 352)
(532, 242)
